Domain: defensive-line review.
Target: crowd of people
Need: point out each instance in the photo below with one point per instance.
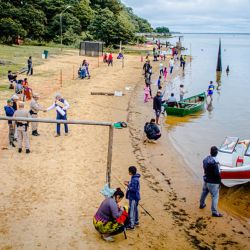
(16, 107)
(110, 218)
(212, 179)
(164, 70)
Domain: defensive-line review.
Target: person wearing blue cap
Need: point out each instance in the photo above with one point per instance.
(9, 111)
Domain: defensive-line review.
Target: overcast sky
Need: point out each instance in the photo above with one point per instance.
(195, 15)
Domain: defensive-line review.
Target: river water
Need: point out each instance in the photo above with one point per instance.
(229, 112)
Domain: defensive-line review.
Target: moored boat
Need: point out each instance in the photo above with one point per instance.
(188, 106)
(234, 159)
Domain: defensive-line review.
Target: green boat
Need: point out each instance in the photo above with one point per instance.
(188, 106)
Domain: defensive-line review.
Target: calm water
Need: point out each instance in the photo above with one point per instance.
(229, 113)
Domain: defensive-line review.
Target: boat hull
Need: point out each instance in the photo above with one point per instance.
(232, 176)
(190, 106)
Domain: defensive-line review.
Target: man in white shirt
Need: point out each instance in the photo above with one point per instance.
(61, 106)
(172, 102)
(161, 68)
(182, 92)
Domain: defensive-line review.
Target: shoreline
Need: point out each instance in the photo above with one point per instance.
(50, 203)
(166, 146)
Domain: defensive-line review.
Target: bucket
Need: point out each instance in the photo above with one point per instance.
(46, 53)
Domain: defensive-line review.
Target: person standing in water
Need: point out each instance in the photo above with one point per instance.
(210, 90)
(182, 92)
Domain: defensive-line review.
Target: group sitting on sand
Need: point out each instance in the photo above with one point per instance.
(83, 71)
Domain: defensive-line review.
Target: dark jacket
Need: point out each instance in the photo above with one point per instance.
(211, 170)
(157, 102)
(133, 192)
(151, 130)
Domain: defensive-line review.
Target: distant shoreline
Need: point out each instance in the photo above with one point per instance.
(204, 33)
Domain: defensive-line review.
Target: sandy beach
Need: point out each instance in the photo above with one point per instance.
(48, 198)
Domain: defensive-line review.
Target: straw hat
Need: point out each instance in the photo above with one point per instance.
(35, 95)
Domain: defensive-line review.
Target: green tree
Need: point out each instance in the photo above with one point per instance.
(114, 5)
(84, 13)
(162, 30)
(69, 22)
(32, 20)
(111, 28)
(10, 30)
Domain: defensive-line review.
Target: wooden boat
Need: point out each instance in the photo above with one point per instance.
(188, 106)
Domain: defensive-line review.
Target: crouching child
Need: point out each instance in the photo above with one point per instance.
(133, 195)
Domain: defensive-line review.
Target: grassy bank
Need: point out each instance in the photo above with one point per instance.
(15, 57)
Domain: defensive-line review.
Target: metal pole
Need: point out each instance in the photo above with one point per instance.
(60, 78)
(109, 159)
(82, 122)
(109, 124)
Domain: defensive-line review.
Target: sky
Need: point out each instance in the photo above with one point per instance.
(212, 16)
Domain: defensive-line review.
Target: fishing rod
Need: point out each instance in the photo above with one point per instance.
(138, 203)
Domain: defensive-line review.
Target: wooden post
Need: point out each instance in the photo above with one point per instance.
(60, 80)
(109, 160)
(120, 46)
(190, 52)
(219, 65)
(73, 73)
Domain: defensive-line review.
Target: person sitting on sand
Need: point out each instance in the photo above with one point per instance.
(110, 219)
(172, 102)
(152, 131)
(82, 71)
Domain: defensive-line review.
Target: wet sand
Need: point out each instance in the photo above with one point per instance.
(49, 197)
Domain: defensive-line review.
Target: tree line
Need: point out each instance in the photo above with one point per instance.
(39, 20)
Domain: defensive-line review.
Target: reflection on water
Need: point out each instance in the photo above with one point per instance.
(228, 113)
(210, 108)
(173, 121)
